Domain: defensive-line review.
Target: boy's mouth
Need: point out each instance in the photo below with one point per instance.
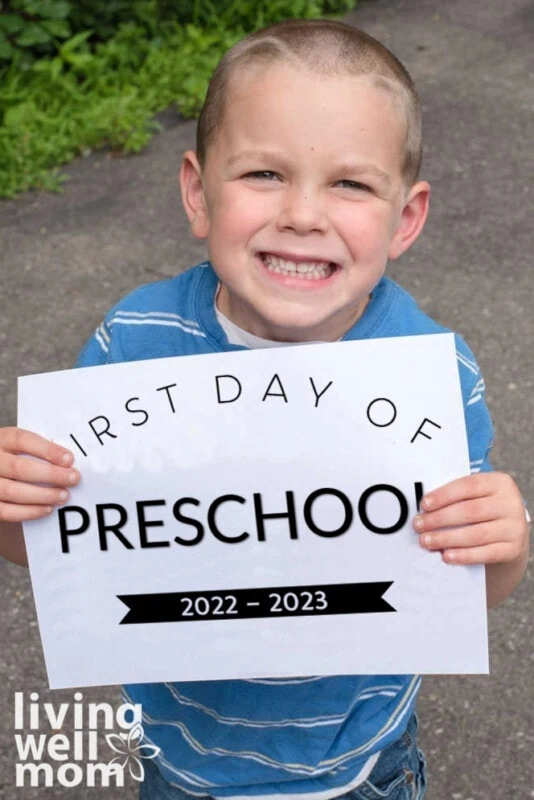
(310, 270)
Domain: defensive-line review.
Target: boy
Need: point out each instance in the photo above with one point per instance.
(304, 183)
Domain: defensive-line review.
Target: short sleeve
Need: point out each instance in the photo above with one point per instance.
(96, 350)
(479, 426)
(480, 432)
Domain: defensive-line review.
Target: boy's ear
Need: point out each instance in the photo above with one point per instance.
(412, 219)
(193, 197)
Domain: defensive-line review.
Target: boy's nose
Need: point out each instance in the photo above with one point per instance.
(302, 212)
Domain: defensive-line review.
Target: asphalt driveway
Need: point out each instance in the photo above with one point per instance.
(65, 259)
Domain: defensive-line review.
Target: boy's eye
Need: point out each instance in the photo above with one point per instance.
(267, 174)
(354, 185)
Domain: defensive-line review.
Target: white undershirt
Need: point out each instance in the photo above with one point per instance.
(237, 335)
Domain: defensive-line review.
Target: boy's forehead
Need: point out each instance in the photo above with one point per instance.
(283, 104)
(283, 78)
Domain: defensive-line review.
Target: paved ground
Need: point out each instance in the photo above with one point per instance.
(65, 259)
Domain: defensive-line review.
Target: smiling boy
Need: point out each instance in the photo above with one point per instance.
(279, 183)
(305, 181)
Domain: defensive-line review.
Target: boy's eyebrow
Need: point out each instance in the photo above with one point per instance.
(340, 168)
(257, 154)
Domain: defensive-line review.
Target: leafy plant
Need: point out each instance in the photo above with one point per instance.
(31, 27)
(90, 95)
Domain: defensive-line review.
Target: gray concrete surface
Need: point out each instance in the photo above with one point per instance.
(65, 259)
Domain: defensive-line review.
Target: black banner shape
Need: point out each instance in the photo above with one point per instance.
(280, 601)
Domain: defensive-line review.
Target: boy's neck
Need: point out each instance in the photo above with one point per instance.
(223, 313)
(237, 335)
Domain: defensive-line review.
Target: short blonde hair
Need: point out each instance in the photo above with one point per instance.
(326, 47)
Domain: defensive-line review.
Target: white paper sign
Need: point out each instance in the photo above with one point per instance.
(250, 514)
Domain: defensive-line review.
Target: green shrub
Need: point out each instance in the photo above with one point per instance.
(90, 95)
(31, 27)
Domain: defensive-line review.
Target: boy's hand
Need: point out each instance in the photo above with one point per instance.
(488, 517)
(21, 496)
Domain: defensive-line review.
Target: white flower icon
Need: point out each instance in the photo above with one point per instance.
(132, 751)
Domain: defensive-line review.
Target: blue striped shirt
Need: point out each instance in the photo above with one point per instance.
(281, 737)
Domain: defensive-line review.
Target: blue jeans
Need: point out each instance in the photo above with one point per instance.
(399, 774)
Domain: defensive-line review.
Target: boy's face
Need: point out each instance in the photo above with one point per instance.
(302, 201)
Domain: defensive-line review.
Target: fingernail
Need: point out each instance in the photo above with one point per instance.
(418, 522)
(428, 502)
(72, 477)
(66, 458)
(63, 495)
(426, 541)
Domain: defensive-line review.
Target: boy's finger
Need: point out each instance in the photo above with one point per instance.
(19, 440)
(473, 536)
(467, 512)
(480, 484)
(13, 513)
(27, 494)
(492, 554)
(29, 470)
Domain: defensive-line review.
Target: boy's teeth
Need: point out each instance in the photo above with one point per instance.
(312, 270)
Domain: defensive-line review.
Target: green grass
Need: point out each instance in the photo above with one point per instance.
(87, 98)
